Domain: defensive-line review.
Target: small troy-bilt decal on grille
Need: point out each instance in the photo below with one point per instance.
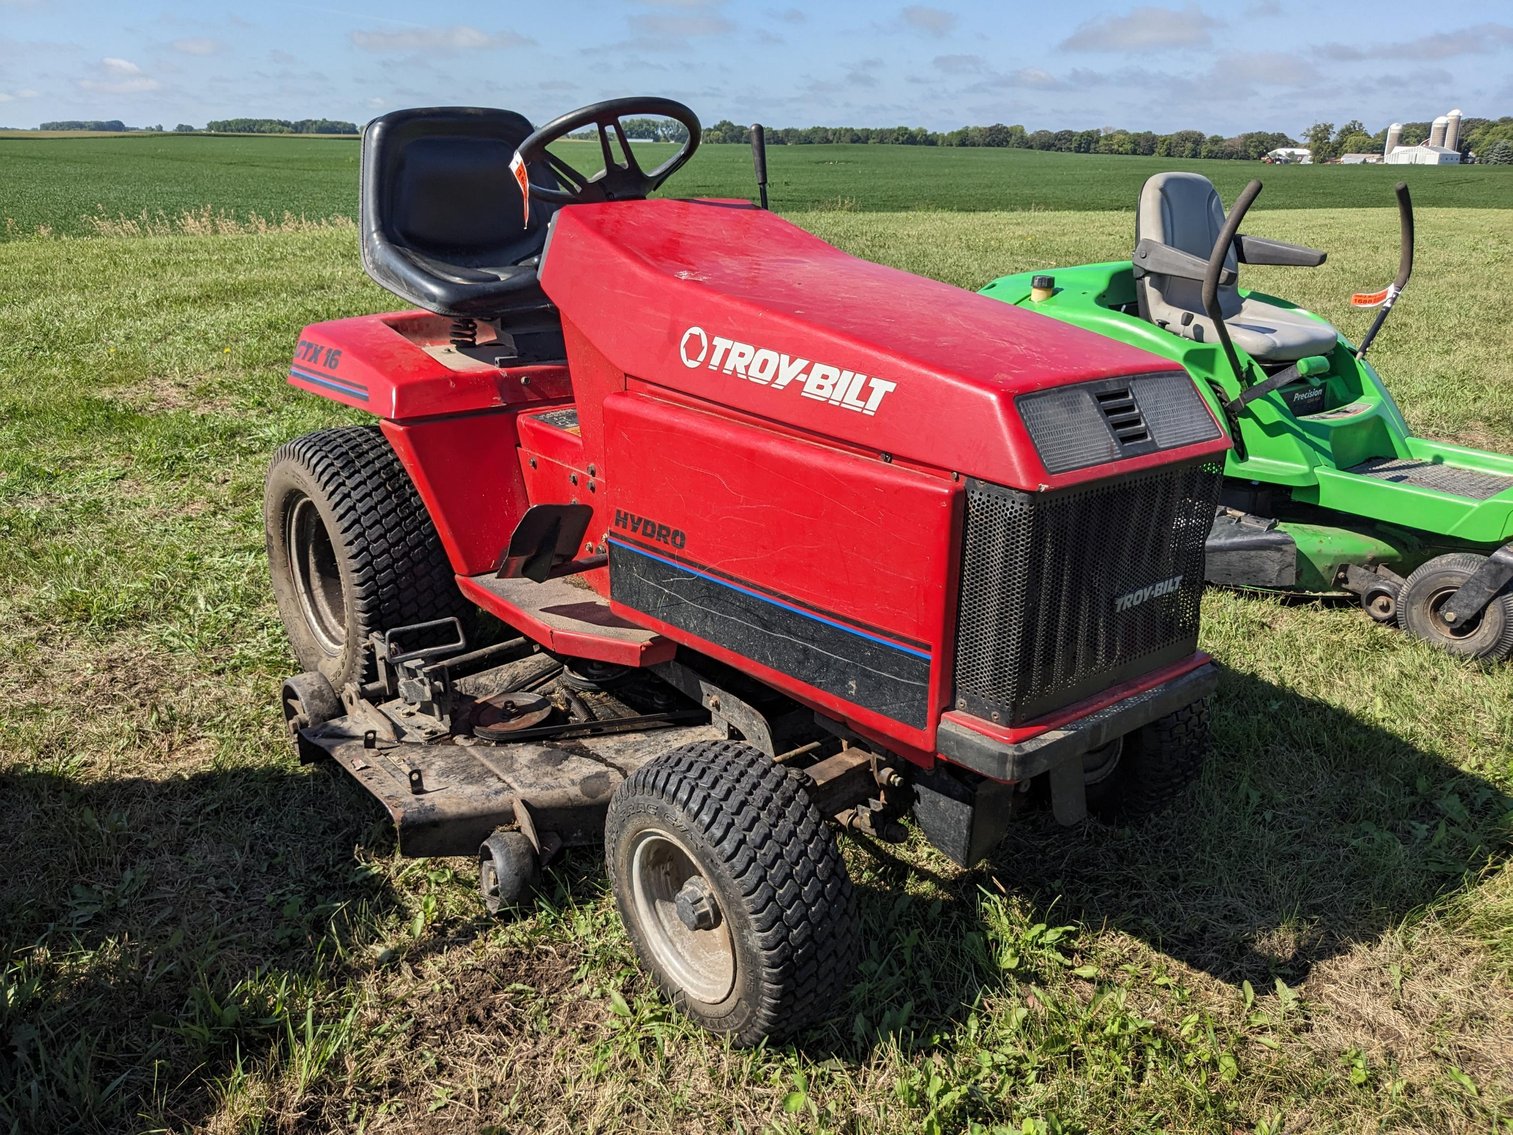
(1154, 590)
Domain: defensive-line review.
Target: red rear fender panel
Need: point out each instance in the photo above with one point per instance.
(731, 304)
(822, 572)
(452, 426)
(380, 363)
(468, 474)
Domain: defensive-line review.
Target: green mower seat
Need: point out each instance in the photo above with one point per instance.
(1181, 213)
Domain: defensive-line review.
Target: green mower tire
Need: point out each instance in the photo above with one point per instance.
(1487, 637)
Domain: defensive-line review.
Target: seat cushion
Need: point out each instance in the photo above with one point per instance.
(442, 217)
(1266, 332)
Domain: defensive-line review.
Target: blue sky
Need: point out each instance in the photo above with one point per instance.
(1217, 67)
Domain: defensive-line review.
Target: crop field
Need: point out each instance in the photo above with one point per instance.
(199, 935)
(87, 186)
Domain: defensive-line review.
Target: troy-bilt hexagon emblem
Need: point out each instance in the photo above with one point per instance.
(694, 347)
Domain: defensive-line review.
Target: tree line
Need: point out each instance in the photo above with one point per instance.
(280, 126)
(1250, 146)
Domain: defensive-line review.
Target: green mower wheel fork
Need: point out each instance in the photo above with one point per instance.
(1327, 490)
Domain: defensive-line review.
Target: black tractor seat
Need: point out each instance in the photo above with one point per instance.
(443, 222)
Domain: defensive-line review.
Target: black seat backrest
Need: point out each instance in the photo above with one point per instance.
(443, 222)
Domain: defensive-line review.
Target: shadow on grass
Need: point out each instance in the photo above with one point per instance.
(1310, 832)
(158, 934)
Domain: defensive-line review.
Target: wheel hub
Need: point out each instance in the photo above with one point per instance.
(696, 906)
(316, 576)
(680, 916)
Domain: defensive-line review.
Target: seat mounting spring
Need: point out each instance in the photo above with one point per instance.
(464, 333)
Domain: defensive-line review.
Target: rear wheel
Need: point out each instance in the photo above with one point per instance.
(732, 889)
(1146, 770)
(1488, 635)
(351, 549)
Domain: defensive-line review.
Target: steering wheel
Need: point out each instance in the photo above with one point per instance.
(621, 179)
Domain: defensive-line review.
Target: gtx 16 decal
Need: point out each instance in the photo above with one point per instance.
(848, 389)
(1154, 590)
(328, 358)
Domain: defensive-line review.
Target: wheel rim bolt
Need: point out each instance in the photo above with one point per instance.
(696, 906)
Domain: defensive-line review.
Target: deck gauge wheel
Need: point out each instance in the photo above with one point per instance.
(1488, 635)
(507, 870)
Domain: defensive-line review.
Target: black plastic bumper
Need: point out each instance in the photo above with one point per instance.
(998, 760)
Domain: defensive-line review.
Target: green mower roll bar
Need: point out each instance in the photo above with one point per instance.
(1404, 268)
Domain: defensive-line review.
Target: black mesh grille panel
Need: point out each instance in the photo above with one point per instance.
(1066, 593)
(1095, 422)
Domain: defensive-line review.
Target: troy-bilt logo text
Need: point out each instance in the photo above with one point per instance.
(848, 389)
(649, 529)
(1135, 598)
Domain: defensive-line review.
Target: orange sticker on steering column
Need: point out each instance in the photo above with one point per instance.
(522, 178)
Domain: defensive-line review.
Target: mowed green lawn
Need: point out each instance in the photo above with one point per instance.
(87, 185)
(196, 934)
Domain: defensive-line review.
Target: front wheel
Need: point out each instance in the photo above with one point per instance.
(1144, 771)
(732, 890)
(1488, 635)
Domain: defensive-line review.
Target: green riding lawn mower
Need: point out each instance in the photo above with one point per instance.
(1327, 491)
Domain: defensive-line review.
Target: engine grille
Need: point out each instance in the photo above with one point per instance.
(1094, 422)
(1065, 593)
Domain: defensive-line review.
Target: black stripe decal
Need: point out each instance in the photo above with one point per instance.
(858, 667)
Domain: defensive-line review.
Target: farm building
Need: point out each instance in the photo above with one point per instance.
(1360, 159)
(1439, 150)
(1291, 155)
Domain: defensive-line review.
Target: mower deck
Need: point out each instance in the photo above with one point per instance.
(446, 798)
(462, 750)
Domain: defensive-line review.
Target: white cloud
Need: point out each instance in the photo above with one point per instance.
(1143, 29)
(459, 37)
(119, 77)
(679, 26)
(12, 96)
(1478, 40)
(197, 45)
(960, 64)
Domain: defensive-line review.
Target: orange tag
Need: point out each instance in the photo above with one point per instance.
(1370, 299)
(522, 178)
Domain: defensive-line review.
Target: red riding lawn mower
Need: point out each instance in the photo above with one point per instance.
(782, 543)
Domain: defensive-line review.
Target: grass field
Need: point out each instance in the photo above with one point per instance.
(72, 185)
(198, 935)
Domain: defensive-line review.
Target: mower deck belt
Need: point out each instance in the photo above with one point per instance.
(1470, 483)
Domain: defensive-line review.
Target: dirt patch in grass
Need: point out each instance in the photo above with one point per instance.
(1417, 1005)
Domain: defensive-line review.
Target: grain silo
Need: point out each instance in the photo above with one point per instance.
(1452, 133)
(1437, 131)
(1394, 137)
